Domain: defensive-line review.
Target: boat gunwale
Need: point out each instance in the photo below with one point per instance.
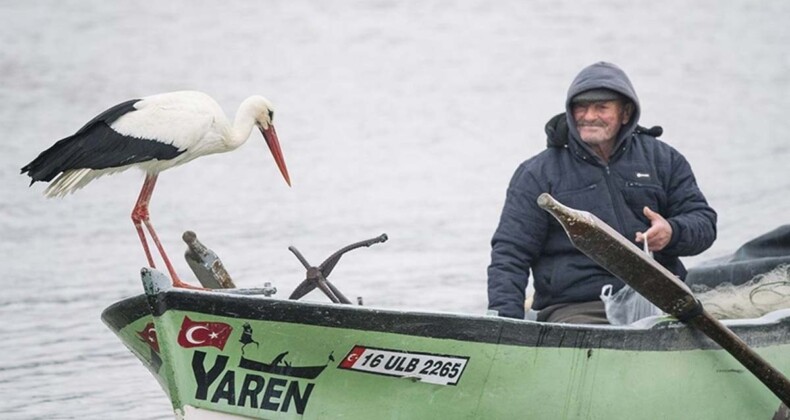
(659, 334)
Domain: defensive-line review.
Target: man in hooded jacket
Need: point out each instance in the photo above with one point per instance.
(599, 160)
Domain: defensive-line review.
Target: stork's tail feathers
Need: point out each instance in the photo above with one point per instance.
(50, 162)
(69, 182)
(85, 149)
(64, 158)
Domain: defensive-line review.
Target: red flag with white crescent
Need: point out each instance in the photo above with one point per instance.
(148, 335)
(201, 334)
(352, 357)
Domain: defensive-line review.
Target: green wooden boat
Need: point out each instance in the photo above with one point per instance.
(261, 357)
(236, 353)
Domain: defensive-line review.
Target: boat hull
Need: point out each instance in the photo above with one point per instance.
(218, 352)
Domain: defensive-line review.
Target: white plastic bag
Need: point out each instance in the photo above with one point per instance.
(626, 306)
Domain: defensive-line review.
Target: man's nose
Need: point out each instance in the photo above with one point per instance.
(589, 114)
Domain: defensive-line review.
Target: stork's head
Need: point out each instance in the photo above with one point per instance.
(263, 112)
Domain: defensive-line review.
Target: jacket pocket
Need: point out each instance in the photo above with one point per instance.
(583, 198)
(638, 195)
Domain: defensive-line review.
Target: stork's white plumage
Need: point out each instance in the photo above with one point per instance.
(154, 133)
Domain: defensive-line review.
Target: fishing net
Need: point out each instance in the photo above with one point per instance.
(763, 294)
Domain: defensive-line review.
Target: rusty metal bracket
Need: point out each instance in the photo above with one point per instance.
(205, 264)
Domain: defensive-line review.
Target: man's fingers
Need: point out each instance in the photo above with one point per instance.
(659, 233)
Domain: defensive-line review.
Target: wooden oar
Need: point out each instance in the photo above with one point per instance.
(622, 258)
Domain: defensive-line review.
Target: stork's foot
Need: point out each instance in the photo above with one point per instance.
(178, 283)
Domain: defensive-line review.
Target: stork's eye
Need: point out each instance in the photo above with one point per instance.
(271, 115)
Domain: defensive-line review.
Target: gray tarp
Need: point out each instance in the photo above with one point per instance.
(760, 255)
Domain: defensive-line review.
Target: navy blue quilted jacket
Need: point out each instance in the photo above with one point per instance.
(642, 171)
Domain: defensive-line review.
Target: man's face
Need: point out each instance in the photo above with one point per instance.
(599, 122)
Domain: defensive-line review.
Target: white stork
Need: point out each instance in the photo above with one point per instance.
(154, 133)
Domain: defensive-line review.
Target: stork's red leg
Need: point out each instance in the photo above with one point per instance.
(141, 212)
(176, 280)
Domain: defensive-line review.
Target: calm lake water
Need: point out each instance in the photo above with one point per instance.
(399, 117)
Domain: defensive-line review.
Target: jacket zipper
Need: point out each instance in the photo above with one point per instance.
(610, 188)
(618, 215)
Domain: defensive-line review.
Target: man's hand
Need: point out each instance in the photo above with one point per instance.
(659, 234)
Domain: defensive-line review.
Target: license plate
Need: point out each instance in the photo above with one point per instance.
(426, 367)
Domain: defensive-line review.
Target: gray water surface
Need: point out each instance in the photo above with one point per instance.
(399, 117)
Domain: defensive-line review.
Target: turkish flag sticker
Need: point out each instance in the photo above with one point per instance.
(352, 357)
(201, 334)
(148, 335)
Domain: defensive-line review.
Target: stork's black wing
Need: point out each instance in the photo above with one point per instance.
(97, 146)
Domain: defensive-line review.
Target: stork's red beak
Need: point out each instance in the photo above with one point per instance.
(274, 146)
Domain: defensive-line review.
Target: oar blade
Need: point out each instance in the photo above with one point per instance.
(622, 258)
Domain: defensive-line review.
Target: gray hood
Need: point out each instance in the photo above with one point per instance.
(603, 75)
